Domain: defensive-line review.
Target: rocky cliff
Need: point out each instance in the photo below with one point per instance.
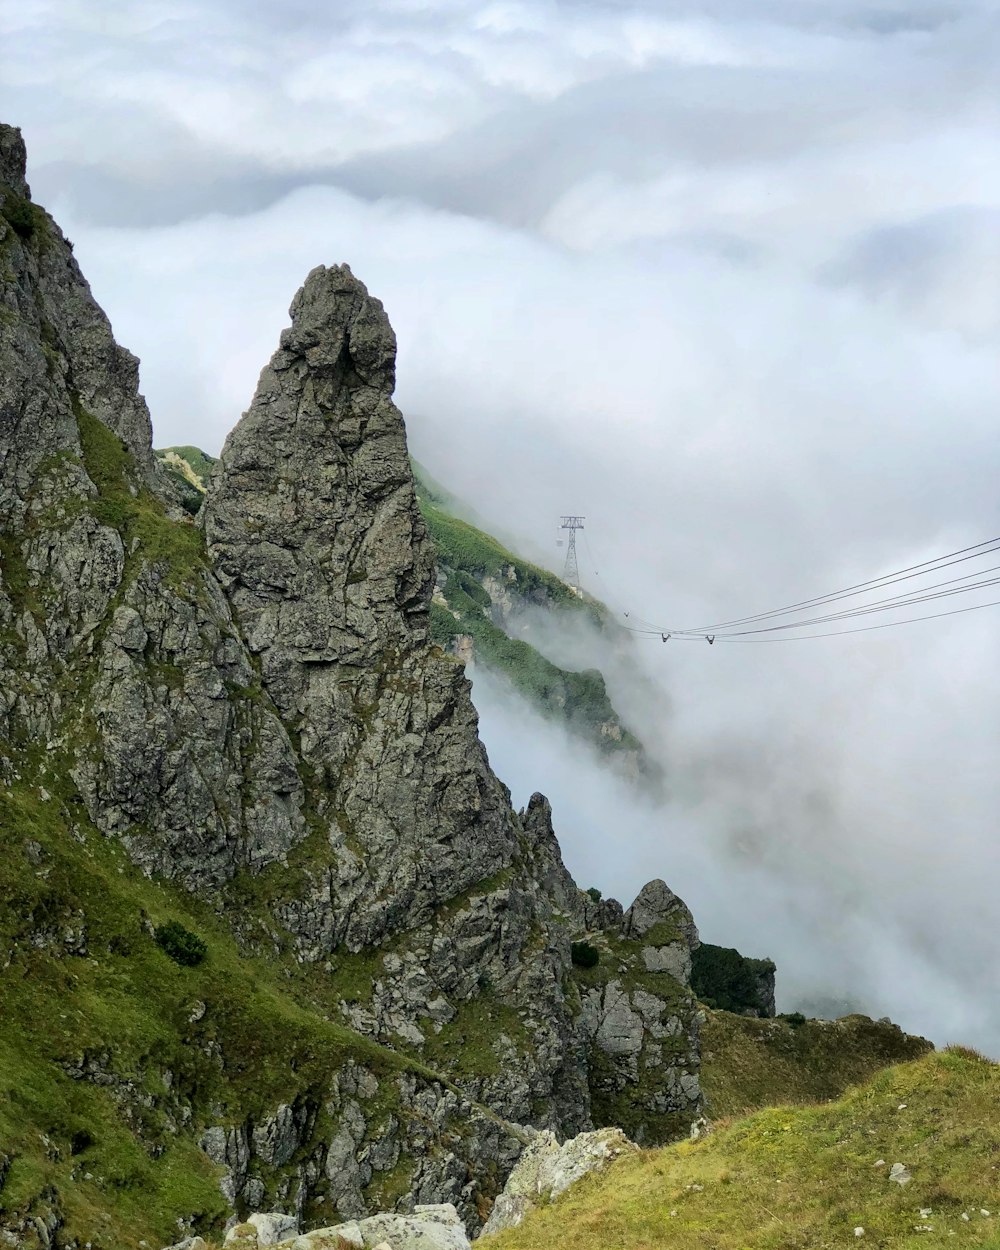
(272, 934)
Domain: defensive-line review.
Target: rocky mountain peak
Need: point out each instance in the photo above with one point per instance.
(13, 161)
(311, 517)
(336, 323)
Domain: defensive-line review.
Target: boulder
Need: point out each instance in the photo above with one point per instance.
(434, 1226)
(546, 1169)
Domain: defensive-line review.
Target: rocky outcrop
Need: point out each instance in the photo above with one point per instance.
(246, 721)
(434, 1226)
(313, 528)
(547, 1168)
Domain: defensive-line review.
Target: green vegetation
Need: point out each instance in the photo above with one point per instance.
(579, 699)
(460, 546)
(19, 214)
(806, 1177)
(183, 946)
(189, 469)
(134, 510)
(749, 1063)
(468, 557)
(465, 1045)
(725, 979)
(584, 955)
(199, 463)
(103, 1039)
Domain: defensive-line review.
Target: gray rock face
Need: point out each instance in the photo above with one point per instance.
(257, 698)
(312, 523)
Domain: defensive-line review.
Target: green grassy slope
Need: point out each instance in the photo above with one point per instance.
(749, 1063)
(467, 557)
(807, 1177)
(104, 1038)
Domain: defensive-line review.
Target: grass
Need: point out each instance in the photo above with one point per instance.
(195, 464)
(24, 218)
(231, 1036)
(189, 469)
(806, 1177)
(133, 510)
(749, 1063)
(126, 1006)
(464, 1047)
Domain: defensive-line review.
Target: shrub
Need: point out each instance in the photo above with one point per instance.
(794, 1018)
(584, 955)
(183, 946)
(20, 214)
(595, 893)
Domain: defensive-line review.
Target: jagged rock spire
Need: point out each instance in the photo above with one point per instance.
(13, 160)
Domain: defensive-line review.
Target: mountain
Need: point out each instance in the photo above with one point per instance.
(271, 933)
(272, 937)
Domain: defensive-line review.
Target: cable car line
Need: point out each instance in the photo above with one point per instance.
(876, 583)
(962, 584)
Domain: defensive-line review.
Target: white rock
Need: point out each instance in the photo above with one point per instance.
(242, 1237)
(859, 1231)
(546, 1168)
(880, 1163)
(431, 1227)
(900, 1174)
(336, 1236)
(273, 1226)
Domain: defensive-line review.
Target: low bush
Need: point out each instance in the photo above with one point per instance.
(183, 946)
(584, 955)
(20, 215)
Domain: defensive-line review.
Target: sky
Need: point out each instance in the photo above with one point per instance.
(722, 278)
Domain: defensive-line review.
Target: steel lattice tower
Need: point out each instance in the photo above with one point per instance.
(571, 572)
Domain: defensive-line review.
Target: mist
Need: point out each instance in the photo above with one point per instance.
(724, 281)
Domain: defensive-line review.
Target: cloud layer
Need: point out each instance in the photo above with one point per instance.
(725, 279)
